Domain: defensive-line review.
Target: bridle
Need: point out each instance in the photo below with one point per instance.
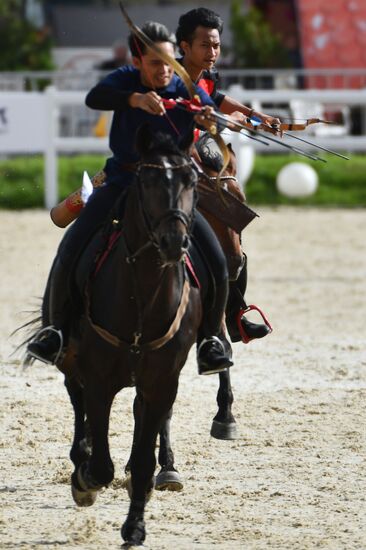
(136, 347)
(221, 179)
(173, 213)
(202, 174)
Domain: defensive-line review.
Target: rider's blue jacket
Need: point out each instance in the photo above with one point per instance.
(112, 94)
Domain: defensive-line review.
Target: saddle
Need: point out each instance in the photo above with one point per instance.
(101, 248)
(221, 204)
(227, 208)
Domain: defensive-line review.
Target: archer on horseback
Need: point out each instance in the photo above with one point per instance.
(198, 38)
(134, 94)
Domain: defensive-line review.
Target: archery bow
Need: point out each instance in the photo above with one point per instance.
(257, 122)
(308, 121)
(180, 70)
(195, 100)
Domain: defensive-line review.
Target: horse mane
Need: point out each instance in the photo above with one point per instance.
(148, 143)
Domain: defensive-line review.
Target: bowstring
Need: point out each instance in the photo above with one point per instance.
(147, 70)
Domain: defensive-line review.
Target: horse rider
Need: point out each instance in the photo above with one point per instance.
(198, 38)
(134, 94)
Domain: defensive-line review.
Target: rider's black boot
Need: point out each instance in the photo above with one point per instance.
(214, 354)
(235, 303)
(213, 349)
(50, 340)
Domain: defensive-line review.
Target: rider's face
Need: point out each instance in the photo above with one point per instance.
(204, 49)
(155, 73)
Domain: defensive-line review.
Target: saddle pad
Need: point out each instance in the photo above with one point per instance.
(234, 213)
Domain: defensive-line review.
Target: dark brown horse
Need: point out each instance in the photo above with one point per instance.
(138, 321)
(224, 424)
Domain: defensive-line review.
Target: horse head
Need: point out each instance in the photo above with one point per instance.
(211, 164)
(167, 186)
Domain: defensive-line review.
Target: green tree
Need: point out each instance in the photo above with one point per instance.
(23, 46)
(255, 45)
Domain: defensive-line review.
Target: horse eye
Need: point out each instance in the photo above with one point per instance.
(189, 179)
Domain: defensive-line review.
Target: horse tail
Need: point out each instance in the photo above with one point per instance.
(30, 329)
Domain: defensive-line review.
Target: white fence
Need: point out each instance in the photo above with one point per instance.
(255, 79)
(54, 144)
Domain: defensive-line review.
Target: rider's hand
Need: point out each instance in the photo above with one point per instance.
(204, 120)
(150, 102)
(236, 116)
(270, 123)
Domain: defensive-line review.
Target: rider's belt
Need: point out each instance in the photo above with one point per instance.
(129, 166)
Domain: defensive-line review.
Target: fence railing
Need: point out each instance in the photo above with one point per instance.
(343, 78)
(57, 144)
(51, 105)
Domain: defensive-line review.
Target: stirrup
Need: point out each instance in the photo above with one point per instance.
(36, 337)
(244, 336)
(205, 340)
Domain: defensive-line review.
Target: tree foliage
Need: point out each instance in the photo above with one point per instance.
(255, 45)
(23, 46)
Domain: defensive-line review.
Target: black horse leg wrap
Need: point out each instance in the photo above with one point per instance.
(237, 289)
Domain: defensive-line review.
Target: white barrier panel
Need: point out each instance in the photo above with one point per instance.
(29, 123)
(22, 122)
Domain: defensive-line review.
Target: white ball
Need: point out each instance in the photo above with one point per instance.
(296, 180)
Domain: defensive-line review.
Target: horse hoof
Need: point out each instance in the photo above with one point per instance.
(133, 545)
(168, 481)
(222, 430)
(133, 533)
(127, 484)
(83, 498)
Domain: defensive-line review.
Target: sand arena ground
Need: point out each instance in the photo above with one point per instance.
(295, 477)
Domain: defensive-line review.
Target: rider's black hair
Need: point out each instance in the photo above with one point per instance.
(155, 31)
(199, 17)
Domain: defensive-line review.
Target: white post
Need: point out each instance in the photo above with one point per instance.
(245, 157)
(50, 156)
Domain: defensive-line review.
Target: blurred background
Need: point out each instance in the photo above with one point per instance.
(296, 59)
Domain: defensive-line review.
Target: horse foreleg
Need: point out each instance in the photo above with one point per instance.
(143, 462)
(98, 470)
(224, 424)
(168, 479)
(137, 406)
(80, 449)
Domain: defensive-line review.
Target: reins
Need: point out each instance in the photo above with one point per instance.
(137, 346)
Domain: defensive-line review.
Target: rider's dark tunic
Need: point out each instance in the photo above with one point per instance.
(112, 94)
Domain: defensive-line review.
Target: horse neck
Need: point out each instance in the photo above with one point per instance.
(152, 281)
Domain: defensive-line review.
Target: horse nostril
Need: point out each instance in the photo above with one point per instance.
(185, 242)
(164, 242)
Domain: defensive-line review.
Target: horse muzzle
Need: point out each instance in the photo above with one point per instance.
(172, 246)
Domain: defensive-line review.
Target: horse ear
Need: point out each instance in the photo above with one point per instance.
(186, 140)
(230, 147)
(143, 139)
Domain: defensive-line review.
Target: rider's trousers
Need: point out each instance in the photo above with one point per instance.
(95, 214)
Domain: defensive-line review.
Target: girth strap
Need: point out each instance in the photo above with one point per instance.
(136, 347)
